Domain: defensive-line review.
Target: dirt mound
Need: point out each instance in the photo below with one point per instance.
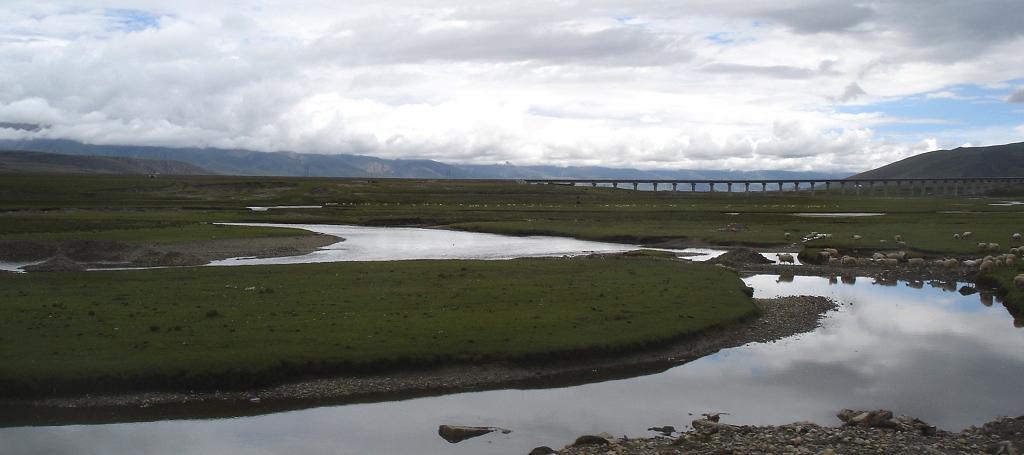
(740, 256)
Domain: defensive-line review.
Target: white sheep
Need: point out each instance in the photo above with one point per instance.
(786, 235)
(982, 246)
(849, 260)
(833, 252)
(878, 256)
(833, 261)
(882, 241)
(916, 262)
(987, 266)
(1018, 281)
(950, 263)
(1016, 236)
(785, 257)
(890, 262)
(966, 235)
(956, 236)
(856, 238)
(898, 238)
(993, 247)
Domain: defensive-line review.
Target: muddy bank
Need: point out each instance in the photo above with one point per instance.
(86, 254)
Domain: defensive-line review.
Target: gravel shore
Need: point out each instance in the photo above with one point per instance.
(901, 435)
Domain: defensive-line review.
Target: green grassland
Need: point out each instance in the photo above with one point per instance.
(225, 327)
(68, 332)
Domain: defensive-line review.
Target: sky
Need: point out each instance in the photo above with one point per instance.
(828, 85)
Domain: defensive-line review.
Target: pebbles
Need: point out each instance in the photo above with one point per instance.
(1001, 436)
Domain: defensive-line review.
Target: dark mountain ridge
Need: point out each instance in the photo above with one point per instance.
(997, 161)
(41, 162)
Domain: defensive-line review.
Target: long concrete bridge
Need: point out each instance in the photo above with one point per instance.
(843, 187)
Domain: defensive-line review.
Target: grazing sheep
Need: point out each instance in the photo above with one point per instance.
(982, 246)
(878, 256)
(824, 255)
(833, 261)
(916, 262)
(833, 252)
(966, 235)
(970, 264)
(849, 260)
(882, 241)
(890, 262)
(856, 238)
(956, 236)
(950, 263)
(785, 257)
(901, 256)
(902, 244)
(786, 235)
(993, 247)
(1016, 236)
(987, 266)
(1010, 261)
(1018, 281)
(898, 238)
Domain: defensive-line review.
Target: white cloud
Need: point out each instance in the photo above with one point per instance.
(655, 85)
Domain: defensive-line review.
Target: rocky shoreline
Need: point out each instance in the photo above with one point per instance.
(863, 432)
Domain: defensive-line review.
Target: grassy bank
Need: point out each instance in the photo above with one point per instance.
(225, 327)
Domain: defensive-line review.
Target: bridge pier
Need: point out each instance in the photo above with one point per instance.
(812, 188)
(655, 185)
(828, 186)
(615, 184)
(673, 187)
(729, 188)
(746, 188)
(635, 185)
(693, 187)
(780, 188)
(711, 187)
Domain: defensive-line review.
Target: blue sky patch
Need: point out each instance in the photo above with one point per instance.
(132, 20)
(951, 108)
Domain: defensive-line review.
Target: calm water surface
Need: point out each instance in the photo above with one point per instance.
(949, 359)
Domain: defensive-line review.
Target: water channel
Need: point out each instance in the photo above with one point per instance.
(927, 351)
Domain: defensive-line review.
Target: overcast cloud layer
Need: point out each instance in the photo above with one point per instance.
(799, 85)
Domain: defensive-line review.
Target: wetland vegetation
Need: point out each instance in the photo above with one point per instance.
(234, 327)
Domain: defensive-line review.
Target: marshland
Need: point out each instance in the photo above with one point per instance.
(221, 333)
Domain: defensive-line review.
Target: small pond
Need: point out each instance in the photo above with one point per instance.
(921, 349)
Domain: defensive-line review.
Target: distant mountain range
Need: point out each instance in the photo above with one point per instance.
(973, 162)
(247, 162)
(41, 162)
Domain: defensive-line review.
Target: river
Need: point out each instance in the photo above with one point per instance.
(927, 351)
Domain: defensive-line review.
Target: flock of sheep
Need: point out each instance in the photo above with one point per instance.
(987, 263)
